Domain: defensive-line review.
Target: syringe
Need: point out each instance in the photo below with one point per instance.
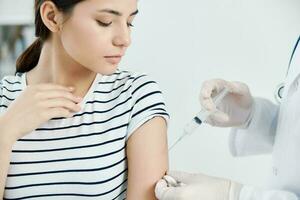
(200, 117)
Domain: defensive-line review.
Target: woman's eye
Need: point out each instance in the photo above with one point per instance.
(130, 25)
(103, 23)
(107, 24)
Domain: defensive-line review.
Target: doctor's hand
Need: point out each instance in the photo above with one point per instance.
(197, 187)
(234, 110)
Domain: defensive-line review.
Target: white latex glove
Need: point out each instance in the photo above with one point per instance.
(234, 110)
(197, 187)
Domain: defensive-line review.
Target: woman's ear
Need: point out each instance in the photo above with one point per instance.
(51, 16)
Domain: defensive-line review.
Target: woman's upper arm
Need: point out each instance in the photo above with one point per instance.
(147, 154)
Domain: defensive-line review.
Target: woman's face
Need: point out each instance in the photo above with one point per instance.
(97, 34)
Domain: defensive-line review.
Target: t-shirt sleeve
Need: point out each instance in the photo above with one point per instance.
(148, 102)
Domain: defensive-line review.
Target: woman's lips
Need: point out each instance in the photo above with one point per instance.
(113, 59)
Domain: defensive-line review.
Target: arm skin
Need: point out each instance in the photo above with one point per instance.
(5, 153)
(147, 154)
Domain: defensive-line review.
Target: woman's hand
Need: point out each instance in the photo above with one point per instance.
(36, 105)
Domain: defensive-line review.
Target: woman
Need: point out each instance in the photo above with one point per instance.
(72, 124)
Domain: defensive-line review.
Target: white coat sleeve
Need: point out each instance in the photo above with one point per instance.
(258, 136)
(252, 193)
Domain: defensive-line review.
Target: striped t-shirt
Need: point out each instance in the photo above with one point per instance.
(82, 157)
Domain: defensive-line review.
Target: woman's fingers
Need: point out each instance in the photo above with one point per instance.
(53, 94)
(52, 86)
(62, 103)
(58, 112)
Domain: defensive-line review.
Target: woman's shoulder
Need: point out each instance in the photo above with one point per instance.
(12, 81)
(123, 78)
(130, 84)
(10, 88)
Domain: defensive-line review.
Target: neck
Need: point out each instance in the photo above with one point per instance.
(56, 66)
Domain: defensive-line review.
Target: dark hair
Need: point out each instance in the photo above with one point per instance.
(30, 57)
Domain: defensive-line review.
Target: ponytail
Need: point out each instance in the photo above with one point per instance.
(30, 57)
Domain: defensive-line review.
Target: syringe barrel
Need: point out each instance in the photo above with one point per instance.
(202, 115)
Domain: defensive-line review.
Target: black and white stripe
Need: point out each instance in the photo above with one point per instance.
(83, 157)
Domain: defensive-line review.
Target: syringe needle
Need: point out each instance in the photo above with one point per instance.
(178, 140)
(200, 118)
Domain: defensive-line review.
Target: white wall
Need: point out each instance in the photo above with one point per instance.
(16, 12)
(182, 43)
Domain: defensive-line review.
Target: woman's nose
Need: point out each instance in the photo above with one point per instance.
(122, 38)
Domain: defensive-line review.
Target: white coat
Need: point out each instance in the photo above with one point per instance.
(275, 129)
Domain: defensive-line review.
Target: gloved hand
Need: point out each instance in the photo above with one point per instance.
(197, 187)
(236, 107)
